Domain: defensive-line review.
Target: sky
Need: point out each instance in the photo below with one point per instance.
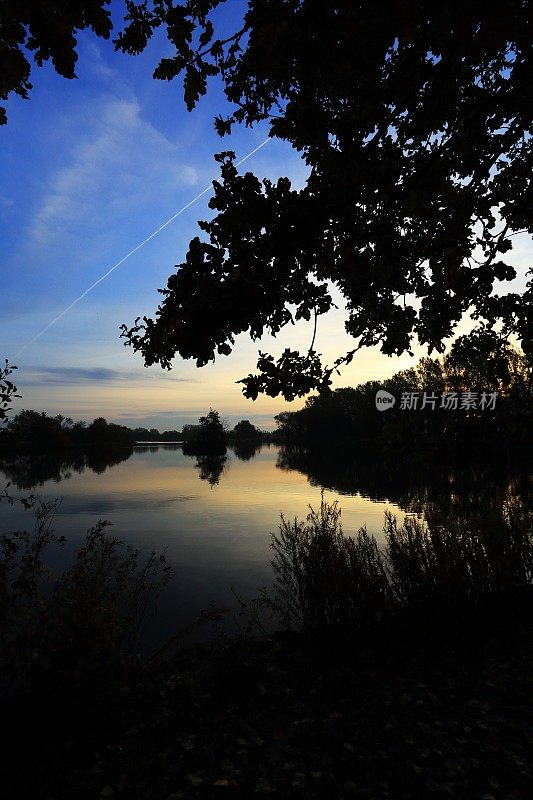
(90, 169)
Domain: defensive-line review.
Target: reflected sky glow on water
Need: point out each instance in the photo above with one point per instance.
(216, 535)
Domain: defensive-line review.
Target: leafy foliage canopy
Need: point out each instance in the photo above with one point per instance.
(414, 120)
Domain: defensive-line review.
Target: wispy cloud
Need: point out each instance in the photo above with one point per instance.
(38, 376)
(121, 163)
(7, 206)
(92, 60)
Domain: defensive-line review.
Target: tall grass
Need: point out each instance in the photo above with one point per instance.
(323, 578)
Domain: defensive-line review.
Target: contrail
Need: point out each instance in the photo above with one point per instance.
(135, 249)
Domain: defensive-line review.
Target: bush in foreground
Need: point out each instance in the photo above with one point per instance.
(81, 629)
(323, 578)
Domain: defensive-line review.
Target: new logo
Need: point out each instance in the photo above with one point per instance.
(384, 400)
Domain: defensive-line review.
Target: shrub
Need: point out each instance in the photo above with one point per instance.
(82, 628)
(324, 578)
(453, 560)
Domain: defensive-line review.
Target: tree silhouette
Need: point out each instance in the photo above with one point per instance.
(479, 363)
(208, 438)
(38, 431)
(8, 391)
(48, 29)
(484, 360)
(211, 428)
(415, 122)
(245, 430)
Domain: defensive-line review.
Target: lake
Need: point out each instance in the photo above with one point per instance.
(212, 515)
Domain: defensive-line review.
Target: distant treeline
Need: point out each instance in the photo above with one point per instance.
(210, 428)
(40, 431)
(483, 389)
(153, 435)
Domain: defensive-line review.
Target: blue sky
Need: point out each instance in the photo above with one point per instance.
(90, 168)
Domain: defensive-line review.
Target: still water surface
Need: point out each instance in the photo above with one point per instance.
(212, 515)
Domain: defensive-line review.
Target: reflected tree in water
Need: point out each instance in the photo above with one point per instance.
(28, 470)
(211, 467)
(415, 485)
(246, 449)
(211, 458)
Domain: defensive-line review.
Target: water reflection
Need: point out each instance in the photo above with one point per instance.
(246, 449)
(211, 467)
(416, 486)
(211, 460)
(27, 471)
(212, 512)
(411, 484)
